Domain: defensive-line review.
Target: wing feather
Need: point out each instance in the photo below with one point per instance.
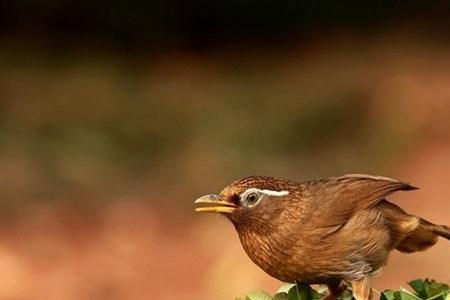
(335, 200)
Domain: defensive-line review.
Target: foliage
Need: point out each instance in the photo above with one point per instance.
(421, 290)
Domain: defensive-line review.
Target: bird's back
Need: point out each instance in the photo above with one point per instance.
(353, 228)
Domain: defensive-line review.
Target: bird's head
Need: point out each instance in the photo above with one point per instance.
(254, 197)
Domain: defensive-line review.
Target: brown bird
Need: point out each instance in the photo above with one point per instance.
(331, 231)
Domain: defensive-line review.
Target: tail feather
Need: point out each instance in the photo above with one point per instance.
(410, 233)
(442, 230)
(421, 238)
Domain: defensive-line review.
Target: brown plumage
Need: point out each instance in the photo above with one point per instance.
(330, 231)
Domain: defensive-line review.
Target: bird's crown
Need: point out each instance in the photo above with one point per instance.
(241, 189)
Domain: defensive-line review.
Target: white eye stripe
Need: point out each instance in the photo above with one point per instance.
(275, 193)
(266, 192)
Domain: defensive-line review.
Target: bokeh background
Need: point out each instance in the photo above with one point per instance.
(115, 116)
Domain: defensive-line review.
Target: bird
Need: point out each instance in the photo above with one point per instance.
(336, 231)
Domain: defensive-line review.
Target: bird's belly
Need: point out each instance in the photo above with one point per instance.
(297, 263)
(295, 267)
(286, 263)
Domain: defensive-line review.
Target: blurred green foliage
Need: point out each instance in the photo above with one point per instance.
(81, 121)
(422, 290)
(100, 129)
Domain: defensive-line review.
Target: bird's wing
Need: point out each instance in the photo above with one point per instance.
(336, 199)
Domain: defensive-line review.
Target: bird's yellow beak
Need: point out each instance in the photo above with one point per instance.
(212, 203)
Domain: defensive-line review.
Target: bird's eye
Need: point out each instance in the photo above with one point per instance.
(252, 198)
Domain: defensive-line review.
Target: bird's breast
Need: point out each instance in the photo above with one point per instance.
(270, 252)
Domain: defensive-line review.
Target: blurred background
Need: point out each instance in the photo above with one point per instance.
(115, 116)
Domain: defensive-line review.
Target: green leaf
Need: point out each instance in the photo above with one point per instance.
(403, 295)
(434, 288)
(315, 295)
(281, 296)
(258, 295)
(419, 287)
(300, 291)
(285, 288)
(387, 295)
(346, 295)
